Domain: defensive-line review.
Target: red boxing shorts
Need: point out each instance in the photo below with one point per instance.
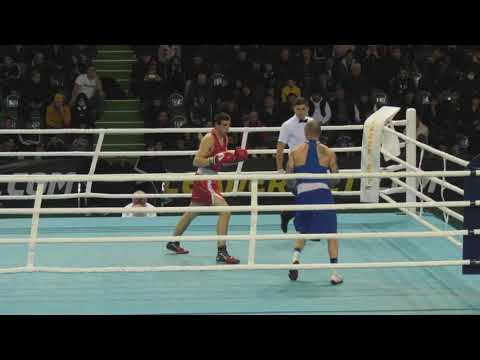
(204, 191)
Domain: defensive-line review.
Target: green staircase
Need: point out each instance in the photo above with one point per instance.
(116, 61)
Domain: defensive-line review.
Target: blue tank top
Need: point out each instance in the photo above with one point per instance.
(312, 165)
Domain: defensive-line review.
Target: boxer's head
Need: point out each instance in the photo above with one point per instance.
(222, 123)
(313, 130)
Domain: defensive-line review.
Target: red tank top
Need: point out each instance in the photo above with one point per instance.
(218, 147)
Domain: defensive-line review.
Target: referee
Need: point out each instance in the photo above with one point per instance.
(292, 133)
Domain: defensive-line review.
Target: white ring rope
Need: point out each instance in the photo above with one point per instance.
(391, 172)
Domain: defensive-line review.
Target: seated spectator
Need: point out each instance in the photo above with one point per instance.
(138, 202)
(40, 65)
(363, 109)
(82, 116)
(269, 76)
(10, 76)
(290, 88)
(470, 120)
(422, 131)
(35, 88)
(200, 101)
(58, 113)
(319, 108)
(286, 109)
(400, 86)
(91, 85)
(270, 113)
(58, 54)
(231, 108)
(59, 82)
(161, 121)
(256, 140)
(197, 67)
(246, 101)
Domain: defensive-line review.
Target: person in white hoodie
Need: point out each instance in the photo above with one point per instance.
(319, 109)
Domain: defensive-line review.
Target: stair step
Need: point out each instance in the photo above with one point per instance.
(123, 117)
(122, 105)
(124, 139)
(115, 56)
(119, 124)
(115, 47)
(110, 66)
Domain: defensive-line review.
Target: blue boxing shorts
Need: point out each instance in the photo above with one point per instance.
(315, 222)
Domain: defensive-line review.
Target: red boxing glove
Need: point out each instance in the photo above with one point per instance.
(222, 159)
(241, 154)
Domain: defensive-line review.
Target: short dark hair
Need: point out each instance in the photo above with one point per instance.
(221, 117)
(300, 101)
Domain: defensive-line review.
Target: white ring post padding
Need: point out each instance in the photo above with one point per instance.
(424, 197)
(434, 151)
(423, 221)
(433, 179)
(411, 152)
(253, 224)
(176, 268)
(242, 208)
(34, 231)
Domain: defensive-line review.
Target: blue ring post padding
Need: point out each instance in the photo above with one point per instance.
(471, 243)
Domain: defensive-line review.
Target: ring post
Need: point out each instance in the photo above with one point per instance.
(411, 152)
(471, 243)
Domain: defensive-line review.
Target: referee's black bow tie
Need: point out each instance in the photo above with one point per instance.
(302, 121)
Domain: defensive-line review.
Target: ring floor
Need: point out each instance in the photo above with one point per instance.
(365, 291)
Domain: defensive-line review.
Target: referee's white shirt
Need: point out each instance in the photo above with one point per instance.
(292, 132)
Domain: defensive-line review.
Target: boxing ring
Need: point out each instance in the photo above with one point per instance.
(112, 265)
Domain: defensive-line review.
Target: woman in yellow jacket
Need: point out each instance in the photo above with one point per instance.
(58, 113)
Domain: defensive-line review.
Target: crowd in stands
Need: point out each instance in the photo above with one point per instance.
(185, 85)
(48, 87)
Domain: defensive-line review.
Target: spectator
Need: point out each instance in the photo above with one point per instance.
(242, 68)
(308, 72)
(256, 140)
(343, 68)
(402, 85)
(363, 109)
(246, 101)
(270, 113)
(59, 79)
(284, 68)
(342, 109)
(35, 88)
(356, 83)
(200, 101)
(198, 67)
(91, 85)
(10, 76)
(139, 202)
(153, 86)
(139, 69)
(82, 116)
(58, 113)
(290, 88)
(470, 120)
(370, 66)
(39, 65)
(319, 108)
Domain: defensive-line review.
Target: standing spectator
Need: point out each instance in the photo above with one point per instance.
(356, 83)
(153, 86)
(241, 68)
(343, 67)
(284, 68)
(370, 65)
(91, 85)
(319, 108)
(308, 72)
(402, 85)
(139, 69)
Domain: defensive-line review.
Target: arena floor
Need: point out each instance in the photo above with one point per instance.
(377, 291)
